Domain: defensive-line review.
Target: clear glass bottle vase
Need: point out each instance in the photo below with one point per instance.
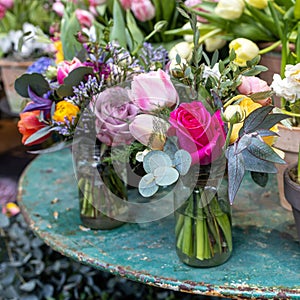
(203, 228)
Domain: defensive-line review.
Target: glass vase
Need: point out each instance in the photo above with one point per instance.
(203, 227)
(99, 185)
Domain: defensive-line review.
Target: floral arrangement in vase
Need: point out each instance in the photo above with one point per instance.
(172, 136)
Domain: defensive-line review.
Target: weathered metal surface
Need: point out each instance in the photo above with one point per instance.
(265, 263)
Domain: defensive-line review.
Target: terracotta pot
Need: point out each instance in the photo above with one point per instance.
(10, 71)
(292, 194)
(288, 141)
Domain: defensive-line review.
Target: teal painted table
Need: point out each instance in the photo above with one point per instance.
(265, 263)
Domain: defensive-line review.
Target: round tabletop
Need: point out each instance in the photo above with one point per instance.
(265, 262)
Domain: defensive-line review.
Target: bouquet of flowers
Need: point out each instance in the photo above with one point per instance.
(156, 132)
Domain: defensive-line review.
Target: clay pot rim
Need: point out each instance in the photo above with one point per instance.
(291, 185)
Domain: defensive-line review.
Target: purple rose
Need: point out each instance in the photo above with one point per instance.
(114, 111)
(198, 132)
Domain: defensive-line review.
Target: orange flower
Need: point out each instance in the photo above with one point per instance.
(29, 124)
(65, 109)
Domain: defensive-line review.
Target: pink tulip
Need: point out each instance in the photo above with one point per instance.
(2, 11)
(143, 10)
(251, 85)
(153, 90)
(126, 4)
(7, 3)
(66, 67)
(59, 8)
(96, 2)
(84, 17)
(149, 130)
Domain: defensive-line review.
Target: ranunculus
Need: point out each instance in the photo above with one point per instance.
(149, 130)
(29, 124)
(233, 114)
(247, 106)
(153, 90)
(230, 9)
(114, 111)
(198, 132)
(66, 67)
(288, 87)
(251, 85)
(260, 4)
(65, 110)
(84, 18)
(143, 10)
(245, 50)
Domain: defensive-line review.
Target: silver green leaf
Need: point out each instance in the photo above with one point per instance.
(182, 161)
(156, 159)
(147, 185)
(165, 176)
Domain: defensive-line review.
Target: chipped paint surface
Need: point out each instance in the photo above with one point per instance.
(265, 263)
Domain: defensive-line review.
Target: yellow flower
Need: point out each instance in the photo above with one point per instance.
(59, 56)
(65, 109)
(247, 106)
(10, 209)
(244, 49)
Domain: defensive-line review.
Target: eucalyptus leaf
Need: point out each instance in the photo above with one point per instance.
(38, 84)
(73, 79)
(170, 148)
(28, 286)
(38, 134)
(165, 176)
(147, 185)
(155, 159)
(182, 161)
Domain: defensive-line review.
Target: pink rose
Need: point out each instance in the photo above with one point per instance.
(251, 85)
(59, 8)
(143, 10)
(7, 3)
(84, 17)
(126, 4)
(192, 3)
(199, 133)
(153, 90)
(114, 111)
(66, 67)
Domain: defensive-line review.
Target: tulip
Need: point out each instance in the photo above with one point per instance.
(7, 3)
(214, 43)
(59, 8)
(153, 90)
(230, 9)
(183, 49)
(84, 17)
(2, 11)
(245, 50)
(233, 114)
(260, 4)
(126, 4)
(149, 130)
(143, 10)
(66, 67)
(29, 124)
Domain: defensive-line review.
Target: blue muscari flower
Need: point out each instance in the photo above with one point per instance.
(41, 65)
